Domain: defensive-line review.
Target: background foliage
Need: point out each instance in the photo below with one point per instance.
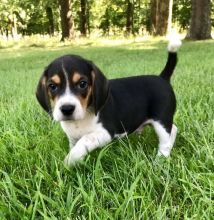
(103, 16)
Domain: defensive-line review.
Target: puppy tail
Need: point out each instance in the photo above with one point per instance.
(173, 46)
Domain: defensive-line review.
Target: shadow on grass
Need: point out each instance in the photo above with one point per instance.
(35, 42)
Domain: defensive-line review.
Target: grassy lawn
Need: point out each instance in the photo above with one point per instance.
(124, 180)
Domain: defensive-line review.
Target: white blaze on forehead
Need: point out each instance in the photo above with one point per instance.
(66, 75)
(68, 98)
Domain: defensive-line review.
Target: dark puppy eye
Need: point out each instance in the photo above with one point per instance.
(53, 87)
(82, 85)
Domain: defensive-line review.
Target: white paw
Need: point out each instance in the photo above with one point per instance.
(74, 156)
(165, 153)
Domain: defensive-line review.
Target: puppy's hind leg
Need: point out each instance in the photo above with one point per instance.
(173, 135)
(166, 139)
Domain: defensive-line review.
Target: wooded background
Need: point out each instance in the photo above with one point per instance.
(74, 18)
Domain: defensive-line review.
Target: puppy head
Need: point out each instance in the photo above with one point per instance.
(69, 86)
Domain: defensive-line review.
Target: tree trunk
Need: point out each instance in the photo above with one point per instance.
(129, 17)
(161, 16)
(83, 18)
(13, 22)
(88, 17)
(67, 24)
(50, 17)
(169, 22)
(200, 25)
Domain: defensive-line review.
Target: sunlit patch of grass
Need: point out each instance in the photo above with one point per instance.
(125, 180)
(41, 42)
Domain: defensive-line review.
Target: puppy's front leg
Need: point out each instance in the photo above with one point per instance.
(72, 142)
(86, 144)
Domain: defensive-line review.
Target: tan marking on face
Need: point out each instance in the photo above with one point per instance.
(93, 76)
(76, 77)
(44, 81)
(56, 79)
(93, 82)
(84, 101)
(53, 100)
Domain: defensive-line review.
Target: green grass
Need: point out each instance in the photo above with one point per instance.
(124, 180)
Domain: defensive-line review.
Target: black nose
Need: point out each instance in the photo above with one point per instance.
(67, 109)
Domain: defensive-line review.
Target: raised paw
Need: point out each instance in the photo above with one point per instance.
(165, 153)
(74, 156)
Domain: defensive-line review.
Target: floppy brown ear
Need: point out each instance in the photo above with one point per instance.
(42, 94)
(100, 88)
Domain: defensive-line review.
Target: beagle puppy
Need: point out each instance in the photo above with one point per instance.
(93, 110)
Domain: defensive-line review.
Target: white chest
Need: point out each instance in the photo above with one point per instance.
(76, 129)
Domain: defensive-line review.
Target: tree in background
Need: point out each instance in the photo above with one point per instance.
(50, 17)
(83, 17)
(129, 16)
(200, 25)
(103, 17)
(182, 13)
(67, 23)
(9, 18)
(161, 16)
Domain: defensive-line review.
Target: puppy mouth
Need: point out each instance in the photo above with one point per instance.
(67, 118)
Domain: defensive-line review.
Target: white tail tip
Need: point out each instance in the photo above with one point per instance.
(174, 42)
